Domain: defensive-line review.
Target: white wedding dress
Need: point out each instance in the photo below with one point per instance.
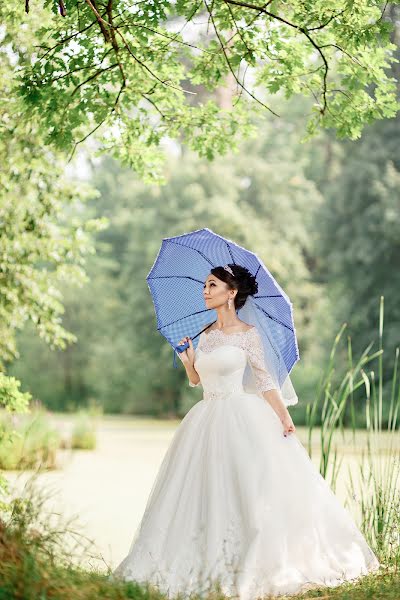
(236, 501)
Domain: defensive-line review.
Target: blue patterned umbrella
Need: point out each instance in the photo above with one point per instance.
(176, 282)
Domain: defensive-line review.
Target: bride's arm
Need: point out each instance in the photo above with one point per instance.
(265, 383)
(275, 400)
(194, 379)
(187, 357)
(273, 397)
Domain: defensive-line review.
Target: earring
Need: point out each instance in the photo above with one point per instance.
(229, 303)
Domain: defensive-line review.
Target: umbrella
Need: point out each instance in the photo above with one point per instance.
(176, 282)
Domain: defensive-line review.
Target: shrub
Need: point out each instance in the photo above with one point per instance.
(28, 442)
(83, 435)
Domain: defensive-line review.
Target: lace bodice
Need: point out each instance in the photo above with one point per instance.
(221, 359)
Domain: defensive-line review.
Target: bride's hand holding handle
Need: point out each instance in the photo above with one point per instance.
(187, 356)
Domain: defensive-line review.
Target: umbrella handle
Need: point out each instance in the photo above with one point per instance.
(182, 347)
(179, 349)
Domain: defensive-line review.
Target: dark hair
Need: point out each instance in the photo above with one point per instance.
(242, 280)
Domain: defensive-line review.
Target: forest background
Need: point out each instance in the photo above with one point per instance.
(82, 223)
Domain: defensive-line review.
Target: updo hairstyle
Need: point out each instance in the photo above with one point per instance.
(242, 280)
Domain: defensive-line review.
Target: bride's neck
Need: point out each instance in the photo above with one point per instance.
(226, 319)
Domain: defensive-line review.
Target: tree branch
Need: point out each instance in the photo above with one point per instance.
(252, 20)
(298, 28)
(130, 25)
(230, 66)
(144, 95)
(54, 79)
(104, 24)
(99, 124)
(67, 39)
(327, 22)
(93, 76)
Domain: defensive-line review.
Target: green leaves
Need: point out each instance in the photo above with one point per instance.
(10, 395)
(135, 73)
(43, 238)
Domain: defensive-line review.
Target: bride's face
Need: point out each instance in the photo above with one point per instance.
(216, 292)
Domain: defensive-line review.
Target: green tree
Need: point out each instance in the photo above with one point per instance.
(127, 70)
(359, 238)
(43, 239)
(261, 198)
(358, 233)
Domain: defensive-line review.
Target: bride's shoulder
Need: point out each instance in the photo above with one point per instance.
(251, 336)
(246, 327)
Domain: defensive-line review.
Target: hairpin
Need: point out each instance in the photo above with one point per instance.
(227, 268)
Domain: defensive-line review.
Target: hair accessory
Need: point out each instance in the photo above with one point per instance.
(227, 268)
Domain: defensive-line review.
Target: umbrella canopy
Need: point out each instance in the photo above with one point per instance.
(176, 282)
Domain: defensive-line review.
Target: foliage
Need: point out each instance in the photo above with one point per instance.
(358, 238)
(11, 398)
(262, 199)
(380, 497)
(137, 72)
(28, 443)
(375, 488)
(14, 401)
(83, 435)
(43, 239)
(31, 441)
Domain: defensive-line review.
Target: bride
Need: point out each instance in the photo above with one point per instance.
(237, 502)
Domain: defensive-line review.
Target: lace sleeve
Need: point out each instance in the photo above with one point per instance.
(255, 355)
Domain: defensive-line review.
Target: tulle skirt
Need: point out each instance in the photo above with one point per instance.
(237, 504)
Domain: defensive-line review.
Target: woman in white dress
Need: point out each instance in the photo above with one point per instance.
(237, 501)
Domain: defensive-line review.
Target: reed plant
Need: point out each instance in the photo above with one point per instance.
(374, 486)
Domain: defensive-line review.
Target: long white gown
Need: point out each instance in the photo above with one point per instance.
(236, 501)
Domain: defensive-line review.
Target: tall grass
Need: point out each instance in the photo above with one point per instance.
(42, 557)
(83, 436)
(379, 472)
(41, 553)
(28, 442)
(31, 441)
(374, 486)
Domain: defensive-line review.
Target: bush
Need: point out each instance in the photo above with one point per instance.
(27, 442)
(83, 435)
